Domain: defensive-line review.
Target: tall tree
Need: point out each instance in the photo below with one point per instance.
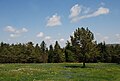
(69, 54)
(51, 54)
(84, 38)
(43, 46)
(43, 51)
(38, 54)
(29, 53)
(58, 54)
(104, 52)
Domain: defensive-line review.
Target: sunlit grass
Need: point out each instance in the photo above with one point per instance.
(60, 72)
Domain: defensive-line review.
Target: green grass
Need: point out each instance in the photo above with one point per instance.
(60, 72)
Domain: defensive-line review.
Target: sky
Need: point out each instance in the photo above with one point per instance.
(22, 21)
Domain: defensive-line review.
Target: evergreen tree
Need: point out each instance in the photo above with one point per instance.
(38, 54)
(84, 39)
(58, 54)
(105, 56)
(51, 54)
(43, 51)
(69, 55)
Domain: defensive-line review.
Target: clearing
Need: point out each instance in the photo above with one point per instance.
(60, 72)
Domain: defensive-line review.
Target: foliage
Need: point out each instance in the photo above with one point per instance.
(58, 54)
(84, 44)
(81, 48)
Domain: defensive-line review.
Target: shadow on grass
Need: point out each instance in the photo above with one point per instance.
(72, 66)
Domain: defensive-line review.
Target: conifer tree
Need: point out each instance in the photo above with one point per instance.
(84, 38)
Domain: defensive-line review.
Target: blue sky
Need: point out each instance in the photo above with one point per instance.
(50, 20)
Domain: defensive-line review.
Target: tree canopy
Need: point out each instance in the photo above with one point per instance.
(81, 48)
(83, 41)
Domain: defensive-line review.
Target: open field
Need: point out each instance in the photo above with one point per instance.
(60, 72)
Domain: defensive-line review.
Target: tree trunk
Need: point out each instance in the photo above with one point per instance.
(84, 60)
(83, 64)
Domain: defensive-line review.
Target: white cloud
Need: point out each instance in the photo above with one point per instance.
(62, 40)
(55, 20)
(47, 38)
(24, 30)
(72, 34)
(101, 38)
(117, 35)
(114, 38)
(59, 34)
(86, 10)
(69, 39)
(10, 29)
(98, 34)
(15, 32)
(14, 35)
(117, 38)
(99, 11)
(40, 34)
(105, 38)
(75, 11)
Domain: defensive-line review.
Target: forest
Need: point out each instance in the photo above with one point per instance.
(81, 48)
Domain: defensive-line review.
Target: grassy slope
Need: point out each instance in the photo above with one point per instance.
(60, 72)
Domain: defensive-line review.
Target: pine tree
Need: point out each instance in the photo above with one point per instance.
(51, 54)
(84, 39)
(43, 51)
(58, 54)
(69, 55)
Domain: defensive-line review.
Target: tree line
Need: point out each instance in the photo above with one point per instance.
(81, 48)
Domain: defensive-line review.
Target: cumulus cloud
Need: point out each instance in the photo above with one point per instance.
(76, 10)
(14, 35)
(40, 34)
(10, 29)
(55, 20)
(24, 30)
(108, 39)
(15, 32)
(47, 38)
(117, 35)
(62, 40)
(101, 38)
(105, 38)
(117, 38)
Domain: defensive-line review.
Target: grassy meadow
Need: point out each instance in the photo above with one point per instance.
(60, 72)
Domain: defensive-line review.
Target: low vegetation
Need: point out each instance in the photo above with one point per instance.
(60, 72)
